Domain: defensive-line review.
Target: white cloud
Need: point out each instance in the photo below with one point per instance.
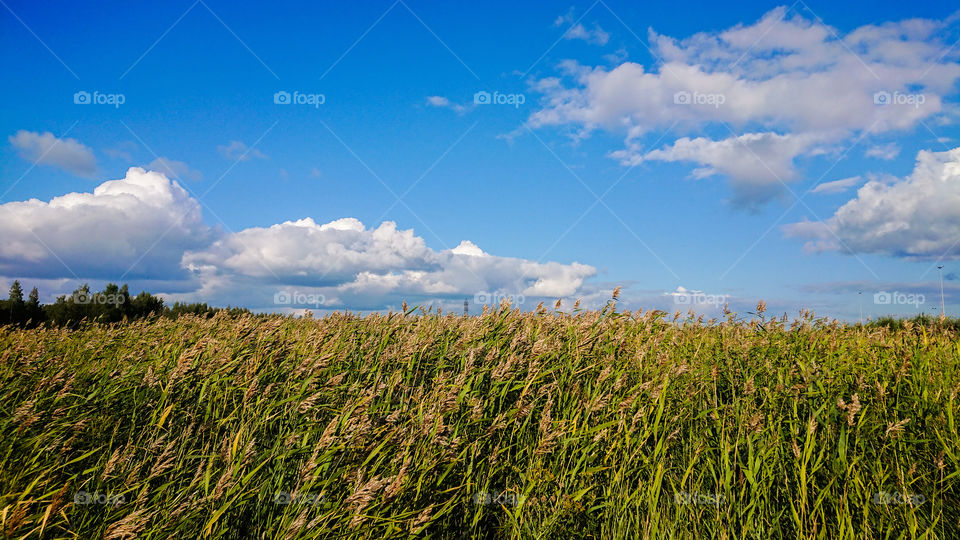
(836, 186)
(238, 151)
(467, 247)
(46, 149)
(149, 225)
(346, 262)
(142, 223)
(445, 103)
(757, 162)
(596, 35)
(883, 151)
(917, 217)
(787, 77)
(175, 169)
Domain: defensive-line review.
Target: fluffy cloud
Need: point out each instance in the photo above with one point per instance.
(147, 227)
(792, 83)
(349, 264)
(917, 217)
(141, 224)
(757, 162)
(46, 149)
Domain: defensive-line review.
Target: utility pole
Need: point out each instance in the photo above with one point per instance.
(860, 301)
(466, 308)
(943, 313)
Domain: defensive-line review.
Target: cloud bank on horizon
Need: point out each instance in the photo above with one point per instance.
(149, 227)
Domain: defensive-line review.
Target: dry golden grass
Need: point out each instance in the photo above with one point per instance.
(509, 424)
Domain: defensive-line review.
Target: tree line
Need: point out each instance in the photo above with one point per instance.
(113, 304)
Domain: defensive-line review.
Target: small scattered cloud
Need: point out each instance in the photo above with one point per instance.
(442, 102)
(594, 35)
(836, 186)
(315, 173)
(883, 151)
(175, 169)
(46, 149)
(238, 151)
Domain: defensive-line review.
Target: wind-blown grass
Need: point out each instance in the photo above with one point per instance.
(509, 424)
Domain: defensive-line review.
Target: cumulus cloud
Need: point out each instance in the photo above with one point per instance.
(917, 217)
(836, 186)
(175, 169)
(141, 223)
(797, 82)
(758, 163)
(347, 263)
(238, 151)
(147, 227)
(46, 149)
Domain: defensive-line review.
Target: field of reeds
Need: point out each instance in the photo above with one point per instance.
(599, 424)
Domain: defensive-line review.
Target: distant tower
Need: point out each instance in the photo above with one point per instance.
(466, 308)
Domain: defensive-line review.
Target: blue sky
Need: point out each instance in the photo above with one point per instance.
(696, 154)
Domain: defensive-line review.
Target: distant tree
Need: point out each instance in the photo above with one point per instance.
(15, 307)
(16, 292)
(145, 304)
(34, 298)
(34, 311)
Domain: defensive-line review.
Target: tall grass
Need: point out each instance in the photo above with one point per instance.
(509, 424)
